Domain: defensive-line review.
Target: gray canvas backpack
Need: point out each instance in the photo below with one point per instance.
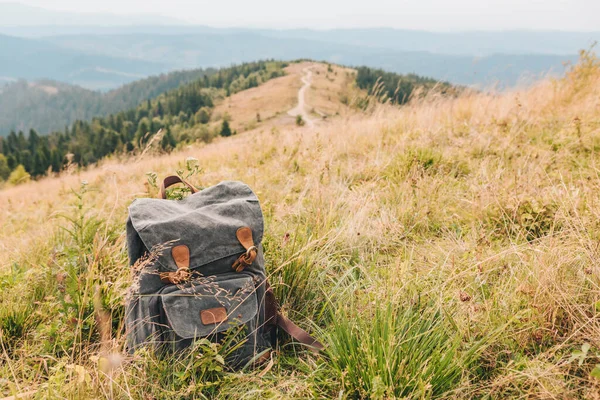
(199, 273)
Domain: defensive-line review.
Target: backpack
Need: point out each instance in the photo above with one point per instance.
(199, 272)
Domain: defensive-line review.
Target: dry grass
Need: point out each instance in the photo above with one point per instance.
(274, 98)
(270, 100)
(485, 207)
(332, 85)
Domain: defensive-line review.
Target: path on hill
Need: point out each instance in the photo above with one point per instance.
(300, 109)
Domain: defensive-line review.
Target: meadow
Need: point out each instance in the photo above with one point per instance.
(447, 248)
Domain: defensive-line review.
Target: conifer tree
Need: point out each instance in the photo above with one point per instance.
(4, 170)
(225, 129)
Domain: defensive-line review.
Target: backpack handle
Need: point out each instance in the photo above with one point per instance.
(172, 180)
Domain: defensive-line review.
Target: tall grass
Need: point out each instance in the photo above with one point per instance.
(394, 351)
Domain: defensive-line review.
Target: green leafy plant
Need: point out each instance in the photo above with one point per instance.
(583, 356)
(18, 176)
(188, 170)
(82, 225)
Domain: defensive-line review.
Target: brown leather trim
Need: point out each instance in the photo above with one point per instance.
(213, 315)
(181, 255)
(244, 235)
(298, 333)
(264, 357)
(180, 276)
(274, 317)
(245, 260)
(271, 306)
(172, 180)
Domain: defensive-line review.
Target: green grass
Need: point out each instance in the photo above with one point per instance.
(395, 351)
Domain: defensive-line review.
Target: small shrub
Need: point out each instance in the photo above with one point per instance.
(530, 219)
(299, 120)
(18, 176)
(203, 115)
(15, 320)
(201, 133)
(425, 161)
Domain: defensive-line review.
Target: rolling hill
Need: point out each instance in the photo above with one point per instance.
(48, 105)
(187, 106)
(34, 59)
(22, 20)
(466, 43)
(444, 249)
(199, 110)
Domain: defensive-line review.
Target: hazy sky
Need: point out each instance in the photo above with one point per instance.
(408, 14)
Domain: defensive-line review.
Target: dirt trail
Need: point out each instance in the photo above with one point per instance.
(300, 109)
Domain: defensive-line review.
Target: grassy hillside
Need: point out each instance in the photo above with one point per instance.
(444, 249)
(198, 110)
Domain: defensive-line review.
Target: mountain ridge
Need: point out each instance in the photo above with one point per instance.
(31, 59)
(184, 51)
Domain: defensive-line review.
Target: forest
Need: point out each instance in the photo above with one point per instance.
(47, 106)
(175, 112)
(397, 88)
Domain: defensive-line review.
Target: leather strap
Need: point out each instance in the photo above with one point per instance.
(181, 255)
(298, 333)
(244, 235)
(274, 318)
(172, 180)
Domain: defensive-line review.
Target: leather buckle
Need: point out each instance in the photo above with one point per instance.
(180, 276)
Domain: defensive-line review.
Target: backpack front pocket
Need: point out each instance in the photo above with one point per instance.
(208, 306)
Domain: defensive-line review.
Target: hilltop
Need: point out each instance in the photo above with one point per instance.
(447, 248)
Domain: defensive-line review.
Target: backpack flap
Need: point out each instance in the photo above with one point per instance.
(205, 222)
(208, 307)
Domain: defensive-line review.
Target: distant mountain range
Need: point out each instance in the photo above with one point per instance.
(25, 21)
(107, 61)
(103, 51)
(31, 59)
